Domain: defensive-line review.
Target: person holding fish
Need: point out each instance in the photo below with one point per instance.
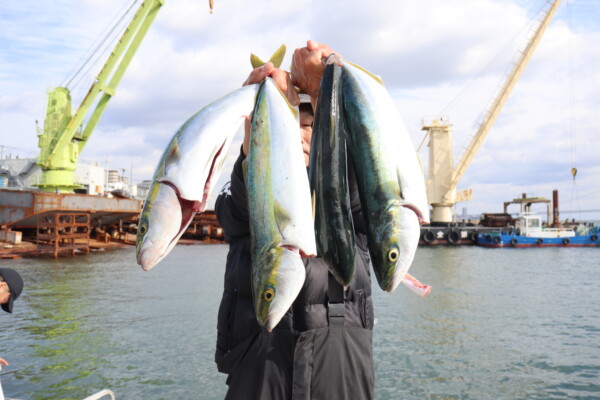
(321, 347)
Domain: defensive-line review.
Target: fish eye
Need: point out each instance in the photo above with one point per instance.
(393, 255)
(143, 229)
(269, 294)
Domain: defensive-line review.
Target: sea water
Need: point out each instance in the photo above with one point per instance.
(499, 324)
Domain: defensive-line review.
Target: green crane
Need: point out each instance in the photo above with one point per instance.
(65, 135)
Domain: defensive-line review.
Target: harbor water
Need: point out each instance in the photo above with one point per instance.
(499, 324)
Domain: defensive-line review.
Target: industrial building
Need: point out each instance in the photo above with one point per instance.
(92, 178)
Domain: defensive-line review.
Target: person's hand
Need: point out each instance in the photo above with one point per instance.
(284, 83)
(3, 361)
(282, 80)
(307, 66)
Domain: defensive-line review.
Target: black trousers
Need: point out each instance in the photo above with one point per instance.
(329, 363)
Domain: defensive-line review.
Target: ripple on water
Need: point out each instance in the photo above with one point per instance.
(499, 324)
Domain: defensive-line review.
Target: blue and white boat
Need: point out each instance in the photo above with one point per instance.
(529, 232)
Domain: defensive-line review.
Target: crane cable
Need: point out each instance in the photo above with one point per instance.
(85, 62)
(453, 104)
(572, 122)
(109, 43)
(523, 36)
(457, 101)
(85, 58)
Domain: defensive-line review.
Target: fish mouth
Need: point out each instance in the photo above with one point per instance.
(270, 324)
(151, 251)
(407, 242)
(189, 208)
(148, 257)
(144, 256)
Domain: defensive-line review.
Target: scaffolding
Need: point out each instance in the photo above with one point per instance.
(60, 233)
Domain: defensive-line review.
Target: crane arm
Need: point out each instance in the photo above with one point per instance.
(500, 100)
(116, 65)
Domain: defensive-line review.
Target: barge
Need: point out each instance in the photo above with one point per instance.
(530, 232)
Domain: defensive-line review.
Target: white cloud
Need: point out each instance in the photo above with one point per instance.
(426, 52)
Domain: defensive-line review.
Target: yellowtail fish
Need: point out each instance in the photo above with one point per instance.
(388, 174)
(186, 173)
(281, 225)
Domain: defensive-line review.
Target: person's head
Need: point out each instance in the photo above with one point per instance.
(306, 121)
(11, 286)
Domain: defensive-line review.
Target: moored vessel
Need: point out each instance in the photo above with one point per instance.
(530, 232)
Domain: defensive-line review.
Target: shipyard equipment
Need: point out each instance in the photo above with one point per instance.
(443, 174)
(65, 135)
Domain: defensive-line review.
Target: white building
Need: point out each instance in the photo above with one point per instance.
(91, 177)
(25, 174)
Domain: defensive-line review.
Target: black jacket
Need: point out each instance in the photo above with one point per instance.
(316, 351)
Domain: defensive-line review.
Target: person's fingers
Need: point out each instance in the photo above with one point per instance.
(312, 45)
(313, 70)
(325, 50)
(283, 81)
(304, 64)
(297, 68)
(259, 74)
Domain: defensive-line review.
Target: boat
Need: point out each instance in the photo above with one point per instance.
(530, 232)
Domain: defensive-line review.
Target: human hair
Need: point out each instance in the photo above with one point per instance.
(306, 107)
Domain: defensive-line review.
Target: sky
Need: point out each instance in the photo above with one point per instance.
(436, 57)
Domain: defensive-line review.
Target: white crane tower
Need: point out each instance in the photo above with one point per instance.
(443, 175)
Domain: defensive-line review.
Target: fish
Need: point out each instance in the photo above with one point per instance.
(187, 171)
(328, 176)
(279, 205)
(388, 174)
(276, 58)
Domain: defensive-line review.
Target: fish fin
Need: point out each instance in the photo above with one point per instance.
(291, 235)
(282, 217)
(400, 183)
(255, 61)
(313, 199)
(171, 154)
(276, 58)
(376, 77)
(245, 170)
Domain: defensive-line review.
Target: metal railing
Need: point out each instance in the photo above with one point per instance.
(101, 394)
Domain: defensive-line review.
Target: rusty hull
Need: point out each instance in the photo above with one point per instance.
(21, 208)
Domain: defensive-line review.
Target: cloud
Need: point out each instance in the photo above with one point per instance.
(434, 56)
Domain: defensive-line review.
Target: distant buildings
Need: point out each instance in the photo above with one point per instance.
(25, 174)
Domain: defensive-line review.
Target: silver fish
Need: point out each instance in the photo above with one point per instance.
(186, 173)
